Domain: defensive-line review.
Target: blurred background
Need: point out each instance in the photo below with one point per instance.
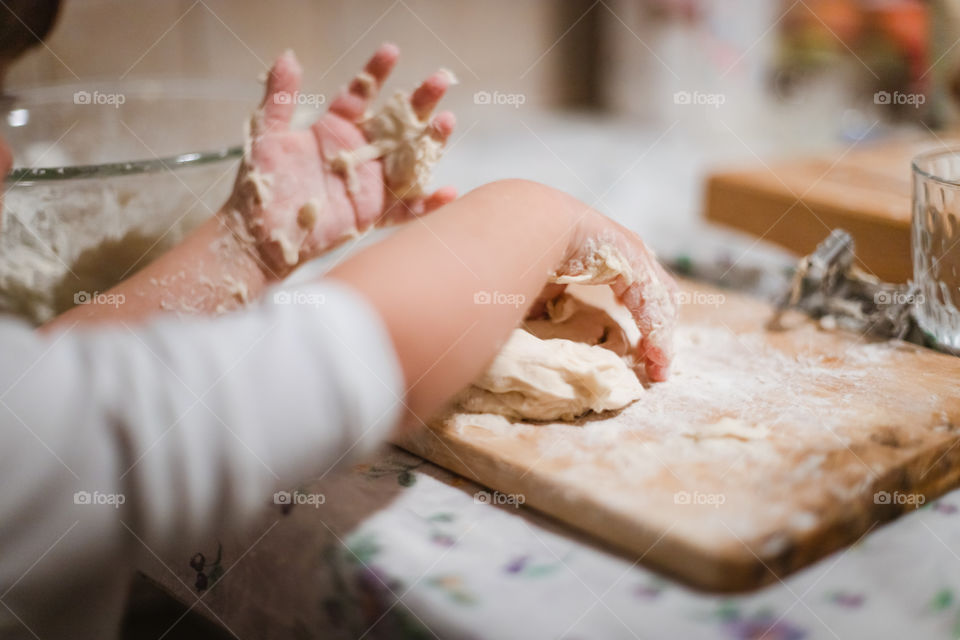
(619, 56)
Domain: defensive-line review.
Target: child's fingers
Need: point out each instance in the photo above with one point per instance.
(279, 103)
(403, 210)
(442, 126)
(353, 101)
(439, 198)
(428, 94)
(656, 361)
(651, 303)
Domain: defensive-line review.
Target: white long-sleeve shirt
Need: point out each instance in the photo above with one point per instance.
(191, 424)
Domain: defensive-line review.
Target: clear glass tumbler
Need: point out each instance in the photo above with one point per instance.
(936, 246)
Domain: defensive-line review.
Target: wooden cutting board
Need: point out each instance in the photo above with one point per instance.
(764, 451)
(795, 203)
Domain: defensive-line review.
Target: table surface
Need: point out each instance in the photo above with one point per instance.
(401, 548)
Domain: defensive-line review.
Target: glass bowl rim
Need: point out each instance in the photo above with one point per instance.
(183, 88)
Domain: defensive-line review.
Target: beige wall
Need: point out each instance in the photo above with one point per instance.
(490, 44)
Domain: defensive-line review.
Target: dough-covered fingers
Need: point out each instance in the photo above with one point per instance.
(651, 303)
(353, 101)
(401, 209)
(440, 130)
(424, 100)
(649, 293)
(301, 192)
(279, 99)
(603, 252)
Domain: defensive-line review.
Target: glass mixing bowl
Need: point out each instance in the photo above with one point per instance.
(107, 178)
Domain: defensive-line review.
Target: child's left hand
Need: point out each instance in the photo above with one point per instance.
(285, 169)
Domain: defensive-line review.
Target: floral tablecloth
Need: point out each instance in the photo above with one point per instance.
(399, 548)
(402, 549)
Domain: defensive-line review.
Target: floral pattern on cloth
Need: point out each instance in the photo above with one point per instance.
(403, 549)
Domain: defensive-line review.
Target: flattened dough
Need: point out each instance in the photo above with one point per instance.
(574, 368)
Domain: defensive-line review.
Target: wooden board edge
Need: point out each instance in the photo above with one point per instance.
(697, 567)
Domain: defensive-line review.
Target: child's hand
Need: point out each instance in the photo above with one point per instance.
(509, 236)
(291, 201)
(603, 252)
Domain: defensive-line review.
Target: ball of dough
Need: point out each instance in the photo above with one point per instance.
(554, 379)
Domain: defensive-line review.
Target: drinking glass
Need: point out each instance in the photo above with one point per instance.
(936, 246)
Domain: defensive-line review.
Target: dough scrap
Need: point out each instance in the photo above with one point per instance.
(729, 428)
(309, 214)
(290, 251)
(554, 379)
(368, 84)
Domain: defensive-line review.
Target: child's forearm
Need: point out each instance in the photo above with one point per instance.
(502, 240)
(212, 271)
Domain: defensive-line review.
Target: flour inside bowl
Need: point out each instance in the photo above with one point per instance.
(63, 242)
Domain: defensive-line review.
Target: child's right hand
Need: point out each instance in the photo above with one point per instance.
(603, 252)
(509, 236)
(594, 257)
(285, 169)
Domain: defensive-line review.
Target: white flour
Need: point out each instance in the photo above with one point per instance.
(552, 379)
